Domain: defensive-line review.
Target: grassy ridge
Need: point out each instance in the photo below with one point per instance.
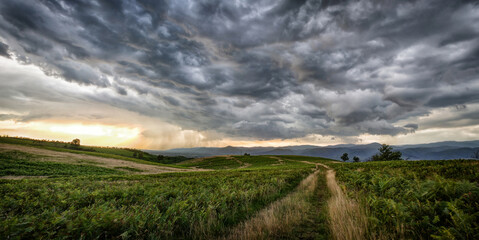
(181, 205)
(124, 152)
(106, 152)
(16, 163)
(307, 158)
(420, 199)
(258, 161)
(215, 163)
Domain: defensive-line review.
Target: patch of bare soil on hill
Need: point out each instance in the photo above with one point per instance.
(74, 158)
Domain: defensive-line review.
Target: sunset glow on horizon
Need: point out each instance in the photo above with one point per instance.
(91, 134)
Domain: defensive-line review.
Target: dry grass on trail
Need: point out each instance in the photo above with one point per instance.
(347, 219)
(74, 158)
(281, 216)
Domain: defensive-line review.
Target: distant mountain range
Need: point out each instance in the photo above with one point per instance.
(430, 151)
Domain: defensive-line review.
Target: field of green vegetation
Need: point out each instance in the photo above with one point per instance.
(416, 199)
(235, 195)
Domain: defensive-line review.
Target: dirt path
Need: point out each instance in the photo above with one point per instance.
(324, 165)
(347, 219)
(280, 216)
(243, 164)
(73, 158)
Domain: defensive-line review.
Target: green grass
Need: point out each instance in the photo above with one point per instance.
(16, 163)
(216, 163)
(176, 205)
(416, 199)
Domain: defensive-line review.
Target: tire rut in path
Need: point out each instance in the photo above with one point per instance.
(280, 216)
(346, 218)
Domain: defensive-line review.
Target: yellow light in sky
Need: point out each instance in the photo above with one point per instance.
(90, 134)
(95, 130)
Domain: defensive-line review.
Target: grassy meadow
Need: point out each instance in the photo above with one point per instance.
(416, 199)
(45, 196)
(180, 205)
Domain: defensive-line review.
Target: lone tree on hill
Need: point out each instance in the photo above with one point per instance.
(76, 142)
(386, 154)
(356, 159)
(345, 157)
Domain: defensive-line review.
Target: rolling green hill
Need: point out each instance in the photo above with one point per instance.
(127, 154)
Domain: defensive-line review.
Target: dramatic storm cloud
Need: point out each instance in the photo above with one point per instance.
(256, 70)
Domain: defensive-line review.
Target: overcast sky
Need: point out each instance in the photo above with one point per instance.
(162, 74)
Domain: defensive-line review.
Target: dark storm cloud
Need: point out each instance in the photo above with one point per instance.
(412, 126)
(4, 50)
(261, 78)
(259, 69)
